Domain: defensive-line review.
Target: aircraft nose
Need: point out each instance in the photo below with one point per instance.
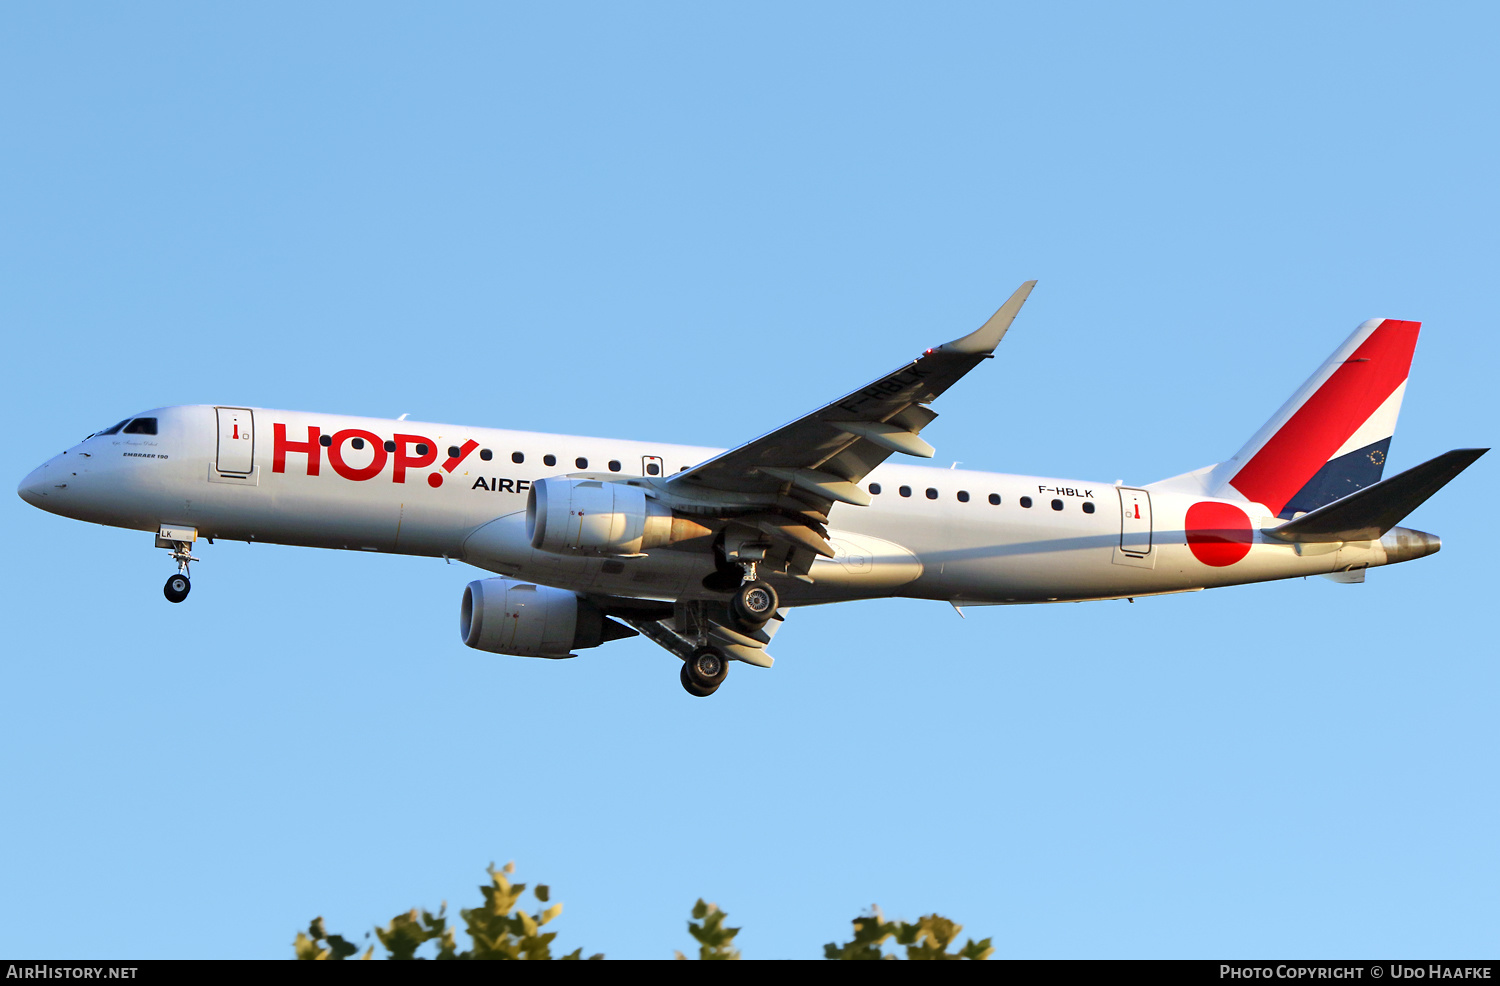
(39, 484)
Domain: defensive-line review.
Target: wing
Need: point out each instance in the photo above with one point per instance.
(770, 497)
(821, 457)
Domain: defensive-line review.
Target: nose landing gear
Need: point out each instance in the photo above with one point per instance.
(177, 588)
(178, 540)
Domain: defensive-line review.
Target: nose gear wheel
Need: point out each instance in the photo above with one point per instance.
(179, 541)
(177, 588)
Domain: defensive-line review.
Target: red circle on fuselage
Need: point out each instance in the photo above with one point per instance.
(1218, 533)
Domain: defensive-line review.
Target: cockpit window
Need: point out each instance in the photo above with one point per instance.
(116, 428)
(141, 426)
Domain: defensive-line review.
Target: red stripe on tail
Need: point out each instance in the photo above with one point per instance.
(1330, 416)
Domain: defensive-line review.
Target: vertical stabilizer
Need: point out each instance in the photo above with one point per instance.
(1333, 436)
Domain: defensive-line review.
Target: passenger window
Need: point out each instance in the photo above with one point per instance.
(517, 457)
(1056, 504)
(931, 493)
(141, 426)
(486, 454)
(963, 496)
(652, 469)
(1088, 508)
(325, 440)
(549, 460)
(995, 499)
(875, 488)
(614, 465)
(905, 491)
(581, 462)
(453, 451)
(357, 442)
(115, 430)
(421, 448)
(1026, 501)
(390, 446)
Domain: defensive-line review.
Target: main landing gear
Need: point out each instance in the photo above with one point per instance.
(704, 671)
(750, 607)
(753, 604)
(179, 541)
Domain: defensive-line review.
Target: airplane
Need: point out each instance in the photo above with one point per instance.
(705, 551)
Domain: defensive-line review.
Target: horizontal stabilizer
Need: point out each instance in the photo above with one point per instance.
(1368, 513)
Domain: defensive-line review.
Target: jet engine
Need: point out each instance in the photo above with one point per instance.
(567, 516)
(504, 616)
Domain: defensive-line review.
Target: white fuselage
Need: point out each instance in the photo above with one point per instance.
(267, 475)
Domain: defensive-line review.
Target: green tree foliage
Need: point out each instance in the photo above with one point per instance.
(498, 933)
(502, 929)
(928, 938)
(714, 940)
(318, 944)
(498, 929)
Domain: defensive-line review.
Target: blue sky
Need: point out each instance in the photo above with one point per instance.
(692, 223)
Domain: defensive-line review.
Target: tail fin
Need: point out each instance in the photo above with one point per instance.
(1333, 436)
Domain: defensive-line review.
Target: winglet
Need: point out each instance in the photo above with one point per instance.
(983, 340)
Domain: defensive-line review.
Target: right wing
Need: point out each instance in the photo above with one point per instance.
(774, 493)
(821, 457)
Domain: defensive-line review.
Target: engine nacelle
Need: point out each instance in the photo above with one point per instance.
(504, 616)
(582, 516)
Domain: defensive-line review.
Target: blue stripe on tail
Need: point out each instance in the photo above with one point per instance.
(1338, 478)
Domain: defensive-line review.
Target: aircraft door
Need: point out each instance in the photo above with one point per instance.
(1135, 529)
(236, 449)
(651, 465)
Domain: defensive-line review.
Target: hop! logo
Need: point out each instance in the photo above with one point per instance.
(402, 452)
